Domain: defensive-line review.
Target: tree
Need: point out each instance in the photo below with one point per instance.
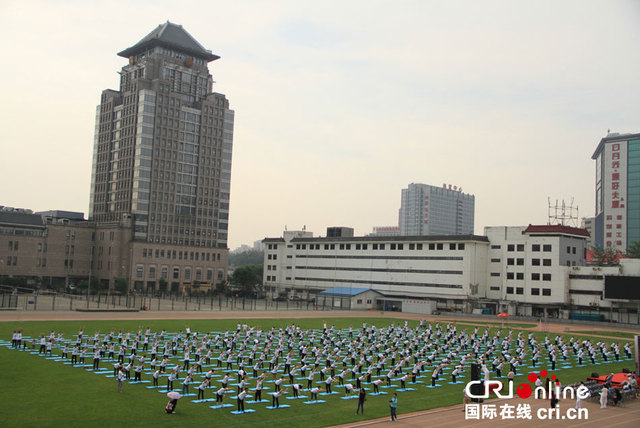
(15, 281)
(221, 287)
(122, 285)
(246, 278)
(162, 285)
(606, 256)
(96, 285)
(633, 251)
(246, 258)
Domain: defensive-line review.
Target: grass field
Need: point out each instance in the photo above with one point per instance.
(43, 393)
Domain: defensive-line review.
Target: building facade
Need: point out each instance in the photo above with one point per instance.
(589, 224)
(535, 271)
(160, 180)
(449, 269)
(432, 210)
(162, 160)
(617, 221)
(529, 268)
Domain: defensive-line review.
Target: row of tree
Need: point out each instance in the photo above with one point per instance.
(608, 256)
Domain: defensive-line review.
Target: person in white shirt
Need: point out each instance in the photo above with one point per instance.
(328, 383)
(201, 389)
(120, 379)
(241, 398)
(376, 385)
(185, 385)
(314, 393)
(278, 383)
(348, 389)
(604, 396)
(156, 376)
(578, 397)
(275, 401)
(296, 389)
(220, 395)
(258, 394)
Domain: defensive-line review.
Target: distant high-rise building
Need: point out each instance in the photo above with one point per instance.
(589, 223)
(385, 231)
(339, 232)
(432, 210)
(617, 222)
(162, 159)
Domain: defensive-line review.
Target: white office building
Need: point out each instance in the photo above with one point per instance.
(432, 210)
(536, 271)
(448, 269)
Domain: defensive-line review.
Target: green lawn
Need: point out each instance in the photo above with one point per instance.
(43, 393)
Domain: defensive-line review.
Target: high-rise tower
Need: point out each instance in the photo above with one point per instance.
(617, 222)
(162, 154)
(431, 210)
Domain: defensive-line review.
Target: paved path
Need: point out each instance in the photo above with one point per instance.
(627, 415)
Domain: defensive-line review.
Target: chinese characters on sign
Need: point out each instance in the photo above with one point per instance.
(615, 161)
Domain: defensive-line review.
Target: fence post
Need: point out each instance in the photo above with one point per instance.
(53, 303)
(172, 302)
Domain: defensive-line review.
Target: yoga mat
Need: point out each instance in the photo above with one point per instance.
(221, 406)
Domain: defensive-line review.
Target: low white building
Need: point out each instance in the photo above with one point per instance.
(450, 270)
(348, 298)
(537, 271)
(529, 268)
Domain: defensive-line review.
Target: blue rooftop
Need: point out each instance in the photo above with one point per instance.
(343, 291)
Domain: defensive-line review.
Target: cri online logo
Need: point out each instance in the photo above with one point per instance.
(524, 390)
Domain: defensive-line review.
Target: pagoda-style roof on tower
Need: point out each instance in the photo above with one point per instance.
(171, 36)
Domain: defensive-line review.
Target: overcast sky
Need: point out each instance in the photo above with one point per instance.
(340, 104)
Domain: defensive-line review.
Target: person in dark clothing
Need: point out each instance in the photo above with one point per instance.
(171, 406)
(362, 397)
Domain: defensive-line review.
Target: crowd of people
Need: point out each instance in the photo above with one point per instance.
(295, 361)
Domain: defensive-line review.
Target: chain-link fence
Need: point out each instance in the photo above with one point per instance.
(111, 302)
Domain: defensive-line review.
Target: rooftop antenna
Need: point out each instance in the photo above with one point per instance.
(559, 213)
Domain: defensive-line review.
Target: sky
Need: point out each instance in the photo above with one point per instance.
(340, 104)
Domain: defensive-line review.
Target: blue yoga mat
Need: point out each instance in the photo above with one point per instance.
(237, 412)
(282, 406)
(221, 406)
(314, 402)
